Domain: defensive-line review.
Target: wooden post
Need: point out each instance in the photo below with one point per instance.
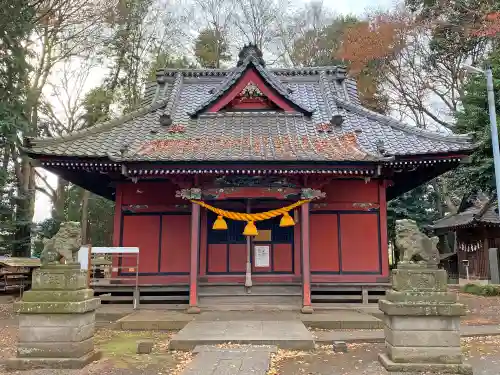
(248, 266)
(193, 273)
(306, 271)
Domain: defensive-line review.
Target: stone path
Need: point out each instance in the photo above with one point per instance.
(286, 334)
(248, 360)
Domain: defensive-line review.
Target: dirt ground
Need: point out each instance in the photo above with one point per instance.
(118, 348)
(119, 356)
(361, 359)
(480, 310)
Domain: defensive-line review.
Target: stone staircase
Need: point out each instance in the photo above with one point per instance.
(236, 297)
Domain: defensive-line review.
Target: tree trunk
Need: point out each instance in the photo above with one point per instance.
(85, 217)
(60, 200)
(445, 195)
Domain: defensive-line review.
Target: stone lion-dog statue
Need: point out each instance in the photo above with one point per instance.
(414, 245)
(65, 244)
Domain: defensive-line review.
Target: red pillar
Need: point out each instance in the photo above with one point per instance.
(306, 269)
(383, 231)
(193, 272)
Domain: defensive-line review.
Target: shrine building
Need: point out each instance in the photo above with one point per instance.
(252, 176)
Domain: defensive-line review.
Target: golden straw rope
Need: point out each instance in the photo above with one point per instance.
(251, 217)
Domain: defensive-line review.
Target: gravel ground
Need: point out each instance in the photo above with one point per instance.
(482, 353)
(480, 310)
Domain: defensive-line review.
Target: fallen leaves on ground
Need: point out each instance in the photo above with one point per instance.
(480, 310)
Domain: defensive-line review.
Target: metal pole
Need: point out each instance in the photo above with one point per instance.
(494, 129)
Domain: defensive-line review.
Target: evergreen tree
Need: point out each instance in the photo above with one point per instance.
(418, 204)
(16, 25)
(211, 49)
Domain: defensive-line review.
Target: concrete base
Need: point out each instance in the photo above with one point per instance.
(289, 334)
(306, 310)
(52, 363)
(147, 320)
(433, 368)
(144, 320)
(193, 310)
(341, 319)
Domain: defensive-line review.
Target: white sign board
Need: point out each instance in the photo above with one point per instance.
(83, 257)
(83, 253)
(262, 256)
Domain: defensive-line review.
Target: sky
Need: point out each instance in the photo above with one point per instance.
(356, 6)
(42, 204)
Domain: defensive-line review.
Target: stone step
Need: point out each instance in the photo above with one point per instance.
(341, 319)
(260, 295)
(250, 299)
(253, 307)
(287, 334)
(239, 290)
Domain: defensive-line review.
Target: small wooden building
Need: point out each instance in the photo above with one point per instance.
(477, 229)
(252, 139)
(15, 273)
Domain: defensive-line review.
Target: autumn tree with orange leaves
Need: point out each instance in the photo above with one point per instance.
(368, 47)
(372, 41)
(489, 27)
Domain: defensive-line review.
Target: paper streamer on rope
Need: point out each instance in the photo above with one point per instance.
(250, 229)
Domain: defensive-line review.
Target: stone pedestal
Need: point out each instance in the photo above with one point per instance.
(56, 320)
(422, 323)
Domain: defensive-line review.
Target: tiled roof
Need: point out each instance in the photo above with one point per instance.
(280, 136)
(486, 213)
(249, 136)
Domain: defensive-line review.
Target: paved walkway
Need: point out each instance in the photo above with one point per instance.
(248, 360)
(326, 337)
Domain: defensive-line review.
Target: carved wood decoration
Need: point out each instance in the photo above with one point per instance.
(256, 181)
(250, 193)
(251, 97)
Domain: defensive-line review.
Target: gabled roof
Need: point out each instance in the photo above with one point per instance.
(173, 125)
(250, 58)
(480, 213)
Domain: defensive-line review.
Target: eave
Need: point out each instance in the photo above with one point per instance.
(99, 175)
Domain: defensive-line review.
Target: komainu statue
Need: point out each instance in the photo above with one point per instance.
(64, 244)
(414, 245)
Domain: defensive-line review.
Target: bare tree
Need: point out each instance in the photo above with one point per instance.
(258, 21)
(61, 114)
(302, 31)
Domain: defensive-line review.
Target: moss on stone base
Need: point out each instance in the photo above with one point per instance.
(24, 307)
(58, 295)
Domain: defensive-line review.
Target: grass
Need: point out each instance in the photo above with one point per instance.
(487, 290)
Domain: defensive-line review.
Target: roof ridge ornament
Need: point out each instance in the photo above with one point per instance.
(249, 51)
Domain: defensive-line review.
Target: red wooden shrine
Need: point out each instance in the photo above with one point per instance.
(251, 139)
